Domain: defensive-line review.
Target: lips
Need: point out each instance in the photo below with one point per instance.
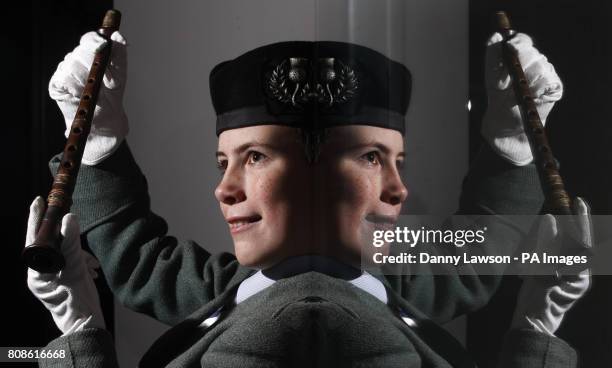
(239, 224)
(381, 222)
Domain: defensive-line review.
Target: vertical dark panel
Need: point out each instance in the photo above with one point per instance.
(574, 35)
(36, 35)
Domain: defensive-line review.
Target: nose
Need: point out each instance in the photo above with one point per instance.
(230, 190)
(394, 192)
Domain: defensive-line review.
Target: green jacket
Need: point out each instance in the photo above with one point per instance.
(173, 281)
(337, 325)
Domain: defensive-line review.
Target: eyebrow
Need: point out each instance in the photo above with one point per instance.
(383, 148)
(245, 146)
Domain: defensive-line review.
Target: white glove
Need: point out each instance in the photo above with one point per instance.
(110, 124)
(502, 125)
(544, 300)
(70, 295)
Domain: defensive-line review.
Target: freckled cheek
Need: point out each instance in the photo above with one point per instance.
(269, 198)
(352, 205)
(360, 201)
(359, 191)
(262, 191)
(349, 201)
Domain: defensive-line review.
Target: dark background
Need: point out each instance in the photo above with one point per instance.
(573, 34)
(36, 35)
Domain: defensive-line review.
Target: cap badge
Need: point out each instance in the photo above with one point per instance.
(292, 81)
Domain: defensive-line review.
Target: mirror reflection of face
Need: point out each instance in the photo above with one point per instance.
(278, 205)
(359, 188)
(265, 193)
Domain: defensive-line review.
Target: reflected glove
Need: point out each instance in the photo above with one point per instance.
(502, 125)
(70, 295)
(110, 124)
(544, 300)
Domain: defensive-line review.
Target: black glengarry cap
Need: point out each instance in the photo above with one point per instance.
(310, 85)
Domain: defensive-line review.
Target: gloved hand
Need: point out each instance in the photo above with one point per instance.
(502, 125)
(70, 295)
(110, 124)
(544, 300)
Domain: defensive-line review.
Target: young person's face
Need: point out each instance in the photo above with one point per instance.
(278, 205)
(265, 193)
(358, 188)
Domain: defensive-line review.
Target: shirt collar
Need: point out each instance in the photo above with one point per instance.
(297, 265)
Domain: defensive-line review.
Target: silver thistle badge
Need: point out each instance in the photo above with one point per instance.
(292, 80)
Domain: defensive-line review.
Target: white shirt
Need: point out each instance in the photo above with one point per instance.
(296, 265)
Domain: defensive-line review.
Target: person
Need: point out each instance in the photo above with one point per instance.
(310, 147)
